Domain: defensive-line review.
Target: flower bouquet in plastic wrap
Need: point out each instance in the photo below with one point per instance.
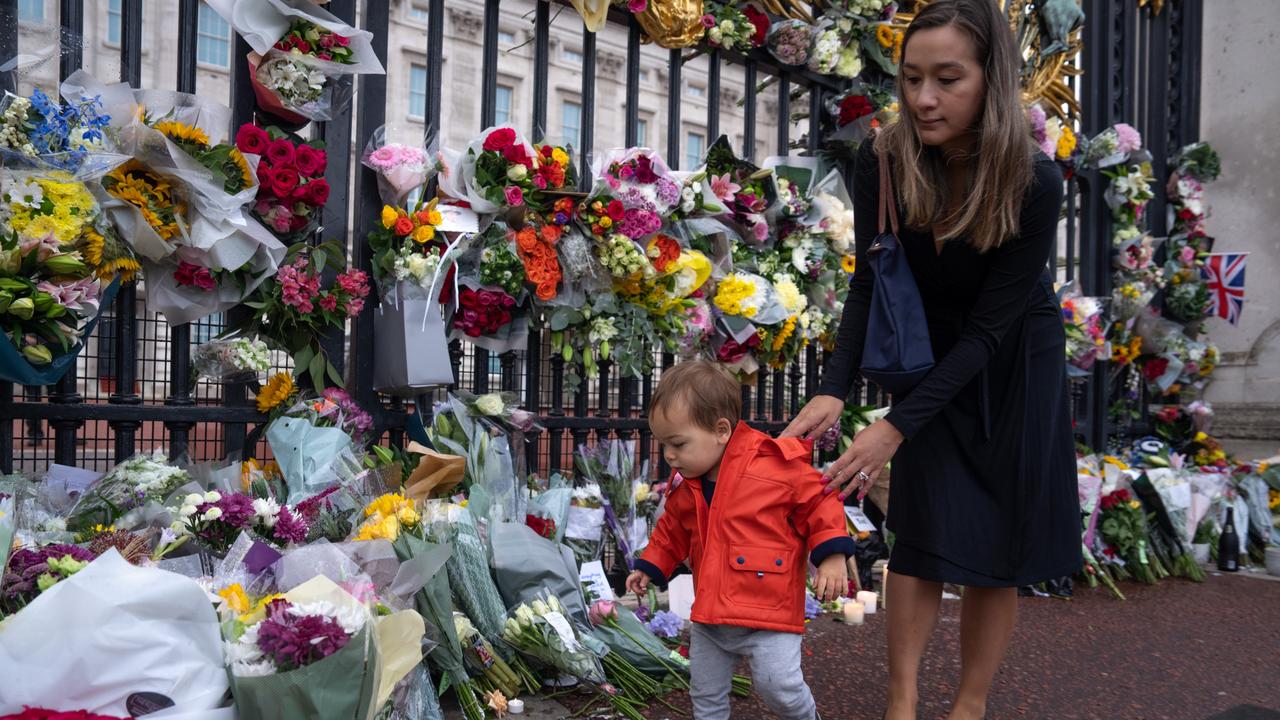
(316, 442)
(465, 431)
(611, 464)
(121, 497)
(1085, 323)
(230, 360)
(402, 164)
(746, 190)
(541, 630)
(495, 173)
(632, 194)
(584, 523)
(299, 52)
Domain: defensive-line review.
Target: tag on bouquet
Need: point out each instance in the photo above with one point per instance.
(563, 629)
(454, 218)
(859, 519)
(593, 577)
(75, 480)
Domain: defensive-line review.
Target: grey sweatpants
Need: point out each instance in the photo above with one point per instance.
(775, 670)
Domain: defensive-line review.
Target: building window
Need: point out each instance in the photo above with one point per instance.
(573, 57)
(31, 10)
(115, 20)
(571, 121)
(695, 145)
(418, 13)
(418, 91)
(213, 38)
(696, 91)
(642, 133)
(502, 105)
(506, 38)
(644, 75)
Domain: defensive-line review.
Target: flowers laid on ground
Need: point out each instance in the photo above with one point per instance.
(292, 187)
(541, 630)
(132, 484)
(31, 571)
(216, 519)
(293, 636)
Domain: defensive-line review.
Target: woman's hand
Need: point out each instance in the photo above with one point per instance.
(860, 465)
(815, 418)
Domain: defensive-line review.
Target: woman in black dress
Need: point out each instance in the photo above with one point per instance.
(983, 492)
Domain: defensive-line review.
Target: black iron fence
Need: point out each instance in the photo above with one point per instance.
(132, 389)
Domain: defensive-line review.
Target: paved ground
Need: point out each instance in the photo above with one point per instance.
(1174, 651)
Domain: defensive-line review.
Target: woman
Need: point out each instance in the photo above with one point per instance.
(983, 492)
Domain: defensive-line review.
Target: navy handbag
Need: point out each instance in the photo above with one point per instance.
(897, 353)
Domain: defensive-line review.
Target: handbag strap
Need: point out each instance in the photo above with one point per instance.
(886, 203)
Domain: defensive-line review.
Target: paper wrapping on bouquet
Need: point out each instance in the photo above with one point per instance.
(263, 22)
(410, 343)
(801, 170)
(14, 366)
(305, 454)
(512, 336)
(242, 245)
(339, 687)
(417, 166)
(583, 523)
(525, 563)
(122, 631)
(437, 473)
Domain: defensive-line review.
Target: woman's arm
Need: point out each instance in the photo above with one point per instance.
(1014, 271)
(838, 374)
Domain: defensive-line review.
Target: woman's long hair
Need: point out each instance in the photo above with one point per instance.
(1003, 161)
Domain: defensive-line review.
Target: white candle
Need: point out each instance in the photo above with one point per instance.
(884, 587)
(868, 600)
(515, 707)
(853, 612)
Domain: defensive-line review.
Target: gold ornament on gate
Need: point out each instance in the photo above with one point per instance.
(673, 23)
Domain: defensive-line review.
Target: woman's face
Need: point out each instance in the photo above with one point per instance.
(944, 86)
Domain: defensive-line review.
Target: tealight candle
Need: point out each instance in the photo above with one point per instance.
(515, 707)
(853, 612)
(868, 600)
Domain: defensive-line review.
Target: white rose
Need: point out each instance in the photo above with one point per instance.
(726, 27)
(417, 266)
(517, 172)
(490, 404)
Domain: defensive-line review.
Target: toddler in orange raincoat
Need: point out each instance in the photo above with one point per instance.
(749, 550)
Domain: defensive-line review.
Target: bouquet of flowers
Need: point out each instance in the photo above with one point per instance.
(496, 172)
(555, 171)
(1186, 296)
(484, 660)
(1086, 333)
(697, 199)
(1055, 139)
(293, 312)
(217, 519)
(836, 47)
(536, 246)
(1112, 146)
(497, 264)
(228, 168)
(1124, 529)
(406, 247)
(789, 41)
(140, 480)
(746, 190)
(584, 525)
(31, 571)
(401, 168)
(238, 359)
(541, 631)
(298, 49)
(482, 312)
(38, 132)
(730, 28)
(617, 252)
(292, 187)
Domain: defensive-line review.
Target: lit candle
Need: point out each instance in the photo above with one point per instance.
(884, 587)
(515, 707)
(853, 612)
(868, 600)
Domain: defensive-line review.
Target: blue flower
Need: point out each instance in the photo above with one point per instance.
(665, 624)
(812, 608)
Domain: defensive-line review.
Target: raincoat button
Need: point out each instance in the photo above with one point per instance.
(760, 575)
(741, 560)
(778, 562)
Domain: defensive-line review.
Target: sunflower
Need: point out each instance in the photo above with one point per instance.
(884, 35)
(849, 263)
(183, 134)
(246, 172)
(277, 390)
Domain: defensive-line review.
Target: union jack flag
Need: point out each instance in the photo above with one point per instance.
(1223, 273)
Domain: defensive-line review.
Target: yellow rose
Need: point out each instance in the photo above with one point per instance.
(434, 217)
(606, 222)
(1135, 504)
(560, 156)
(408, 517)
(424, 233)
(388, 216)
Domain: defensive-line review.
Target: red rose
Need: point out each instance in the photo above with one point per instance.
(761, 23)
(517, 154)
(500, 139)
(266, 177)
(317, 191)
(1154, 368)
(280, 153)
(302, 45)
(283, 181)
(310, 161)
(854, 107)
(252, 139)
(616, 211)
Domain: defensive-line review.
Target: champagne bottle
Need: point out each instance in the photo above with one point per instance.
(1229, 544)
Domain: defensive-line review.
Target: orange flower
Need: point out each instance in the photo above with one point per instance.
(546, 291)
(404, 225)
(551, 234)
(423, 216)
(663, 250)
(527, 239)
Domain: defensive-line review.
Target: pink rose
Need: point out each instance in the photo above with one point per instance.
(1188, 255)
(603, 611)
(708, 21)
(515, 196)
(637, 6)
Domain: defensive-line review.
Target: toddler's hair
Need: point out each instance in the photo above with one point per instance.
(707, 390)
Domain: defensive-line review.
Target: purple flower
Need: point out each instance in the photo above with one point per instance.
(668, 192)
(26, 565)
(830, 439)
(79, 295)
(665, 624)
(1127, 138)
(237, 509)
(639, 223)
(290, 528)
(293, 642)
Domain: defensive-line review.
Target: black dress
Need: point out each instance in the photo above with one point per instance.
(983, 489)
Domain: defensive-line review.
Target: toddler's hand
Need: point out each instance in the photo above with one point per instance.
(833, 578)
(638, 582)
